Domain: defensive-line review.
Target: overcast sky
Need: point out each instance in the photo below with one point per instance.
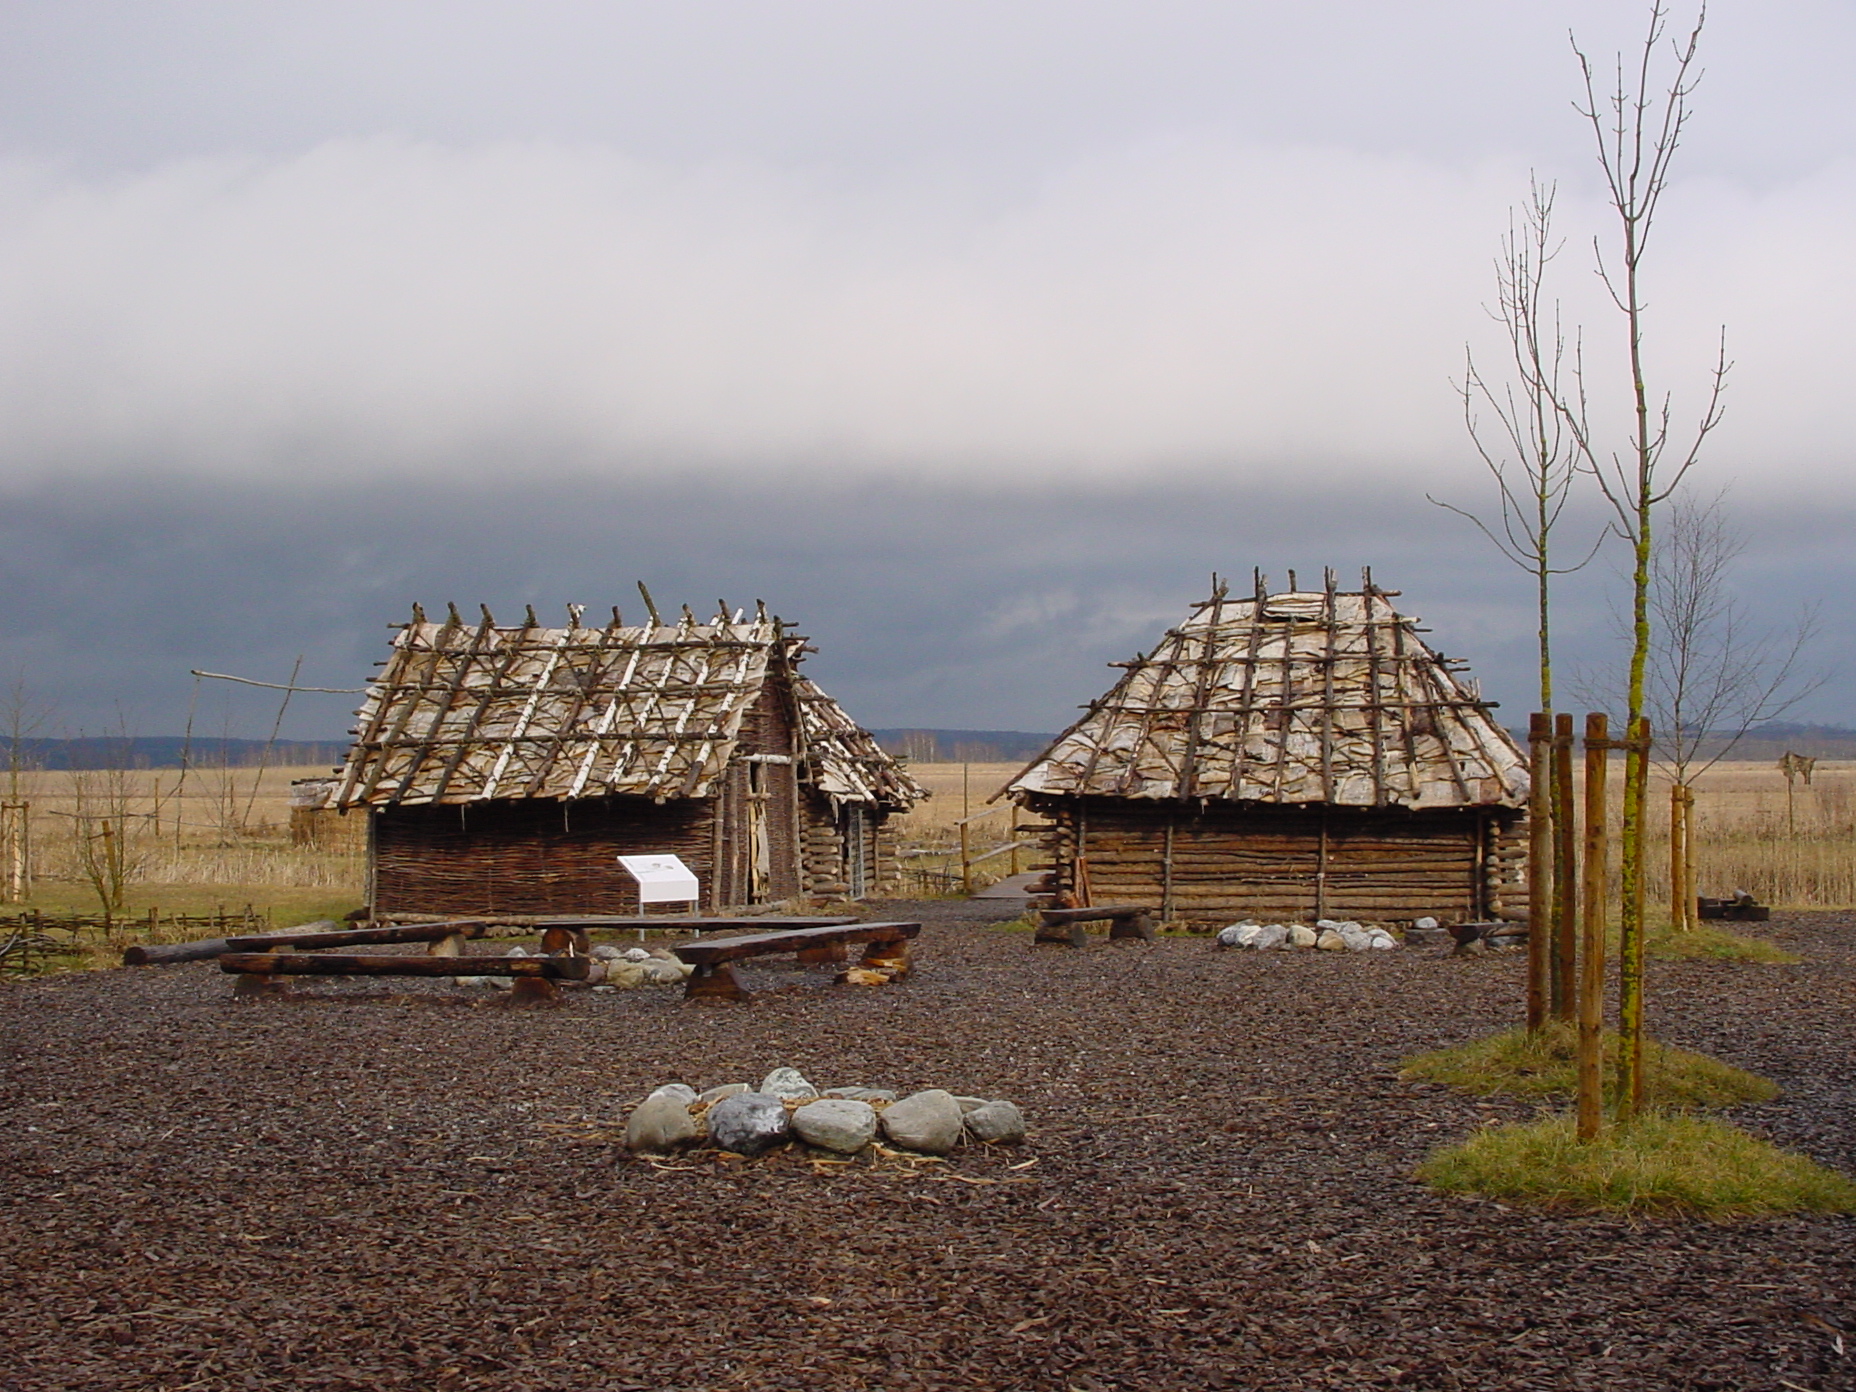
(971, 336)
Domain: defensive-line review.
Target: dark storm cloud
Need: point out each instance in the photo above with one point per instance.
(990, 610)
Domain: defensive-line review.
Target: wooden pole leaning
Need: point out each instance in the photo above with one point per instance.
(1565, 875)
(1594, 886)
(1539, 868)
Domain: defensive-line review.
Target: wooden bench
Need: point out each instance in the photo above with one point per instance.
(886, 947)
(308, 936)
(534, 976)
(1065, 926)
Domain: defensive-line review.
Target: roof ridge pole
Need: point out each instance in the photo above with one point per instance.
(1188, 787)
(1375, 716)
(583, 697)
(451, 626)
(1247, 696)
(1327, 696)
(650, 606)
(529, 708)
(512, 651)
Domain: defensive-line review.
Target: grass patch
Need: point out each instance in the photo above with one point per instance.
(1661, 1164)
(1706, 942)
(1544, 1064)
(278, 906)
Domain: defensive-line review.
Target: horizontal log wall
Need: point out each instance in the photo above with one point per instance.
(530, 857)
(1228, 863)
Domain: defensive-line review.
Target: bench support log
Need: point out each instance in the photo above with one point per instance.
(1127, 922)
(714, 981)
(892, 957)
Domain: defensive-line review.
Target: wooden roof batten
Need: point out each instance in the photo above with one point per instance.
(468, 713)
(1317, 697)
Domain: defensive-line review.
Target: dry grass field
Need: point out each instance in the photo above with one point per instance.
(222, 837)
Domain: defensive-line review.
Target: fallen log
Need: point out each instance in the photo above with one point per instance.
(322, 933)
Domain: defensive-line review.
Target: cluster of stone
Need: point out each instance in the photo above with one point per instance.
(613, 969)
(785, 1108)
(1327, 934)
(610, 970)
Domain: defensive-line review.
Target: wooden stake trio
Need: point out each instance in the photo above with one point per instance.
(1568, 899)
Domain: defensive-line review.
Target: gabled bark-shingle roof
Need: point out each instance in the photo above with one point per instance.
(1298, 698)
(468, 712)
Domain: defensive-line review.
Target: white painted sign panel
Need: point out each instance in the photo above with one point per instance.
(662, 879)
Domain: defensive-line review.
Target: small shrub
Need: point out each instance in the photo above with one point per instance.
(1544, 1064)
(1660, 1164)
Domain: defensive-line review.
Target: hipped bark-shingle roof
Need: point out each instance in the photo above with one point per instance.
(1297, 698)
(465, 713)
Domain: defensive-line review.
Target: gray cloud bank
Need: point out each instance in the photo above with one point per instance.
(379, 306)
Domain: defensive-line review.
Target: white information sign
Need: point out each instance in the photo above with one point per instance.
(662, 879)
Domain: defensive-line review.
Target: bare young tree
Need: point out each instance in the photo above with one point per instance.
(1529, 453)
(108, 822)
(1528, 450)
(1713, 673)
(1637, 125)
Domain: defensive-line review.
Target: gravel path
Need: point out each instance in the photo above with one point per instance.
(379, 1185)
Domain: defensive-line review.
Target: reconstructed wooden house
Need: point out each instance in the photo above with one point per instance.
(1298, 755)
(503, 769)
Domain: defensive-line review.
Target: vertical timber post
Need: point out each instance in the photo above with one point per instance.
(1539, 868)
(1631, 945)
(1595, 884)
(1565, 875)
(1691, 911)
(1166, 872)
(1678, 860)
(16, 847)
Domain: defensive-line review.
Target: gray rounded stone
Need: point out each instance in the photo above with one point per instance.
(928, 1121)
(660, 1123)
(840, 1124)
(748, 1123)
(997, 1123)
(716, 1094)
(1301, 935)
(861, 1094)
(788, 1082)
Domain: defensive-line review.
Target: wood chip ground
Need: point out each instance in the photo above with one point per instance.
(408, 1187)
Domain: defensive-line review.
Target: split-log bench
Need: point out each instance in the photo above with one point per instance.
(559, 933)
(886, 947)
(307, 936)
(1065, 926)
(534, 976)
